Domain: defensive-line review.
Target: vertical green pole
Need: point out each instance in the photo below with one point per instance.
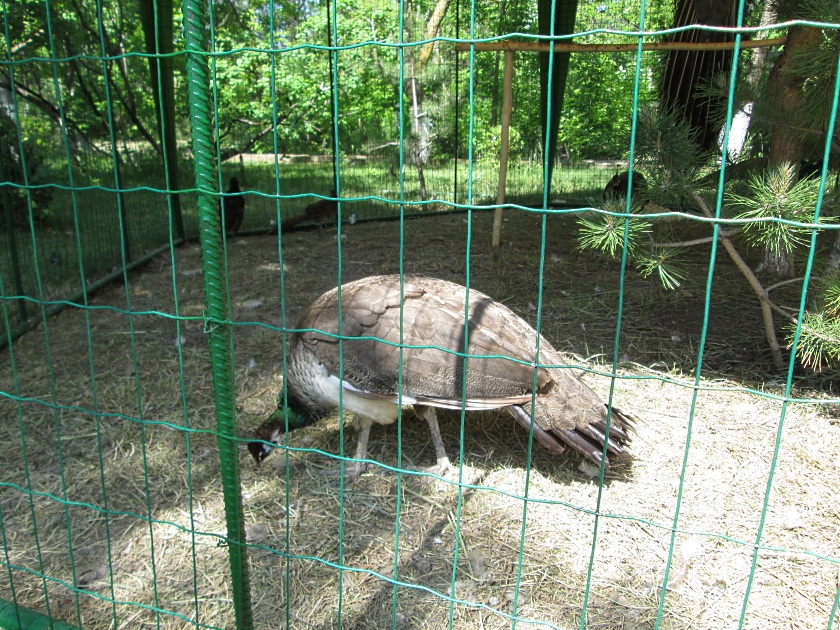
(121, 203)
(215, 290)
(156, 16)
(6, 202)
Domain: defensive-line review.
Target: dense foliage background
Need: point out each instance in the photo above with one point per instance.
(290, 92)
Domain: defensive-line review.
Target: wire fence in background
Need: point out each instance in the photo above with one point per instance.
(125, 495)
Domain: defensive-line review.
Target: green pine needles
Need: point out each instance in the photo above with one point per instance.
(776, 203)
(773, 210)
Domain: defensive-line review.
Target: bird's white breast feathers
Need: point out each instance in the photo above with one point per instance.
(381, 408)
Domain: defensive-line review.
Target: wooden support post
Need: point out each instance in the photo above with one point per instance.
(565, 46)
(507, 106)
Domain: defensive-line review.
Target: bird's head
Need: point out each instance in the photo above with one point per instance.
(269, 433)
(259, 450)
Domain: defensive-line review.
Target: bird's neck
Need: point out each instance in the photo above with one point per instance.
(296, 421)
(299, 414)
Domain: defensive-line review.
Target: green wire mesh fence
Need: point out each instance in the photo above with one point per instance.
(127, 496)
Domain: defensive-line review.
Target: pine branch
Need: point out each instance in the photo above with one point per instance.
(755, 284)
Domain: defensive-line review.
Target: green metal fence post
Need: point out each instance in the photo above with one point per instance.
(124, 231)
(6, 202)
(157, 19)
(216, 296)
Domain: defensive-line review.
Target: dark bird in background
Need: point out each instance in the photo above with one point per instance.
(321, 212)
(618, 185)
(232, 207)
(810, 169)
(565, 412)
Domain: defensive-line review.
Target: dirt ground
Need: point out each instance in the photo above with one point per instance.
(111, 477)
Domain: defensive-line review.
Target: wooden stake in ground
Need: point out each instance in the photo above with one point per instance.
(507, 107)
(507, 104)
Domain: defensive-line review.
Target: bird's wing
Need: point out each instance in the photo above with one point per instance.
(432, 318)
(423, 343)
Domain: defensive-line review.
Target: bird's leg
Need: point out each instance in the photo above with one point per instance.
(352, 470)
(443, 465)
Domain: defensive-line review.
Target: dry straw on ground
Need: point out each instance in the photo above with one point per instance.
(134, 370)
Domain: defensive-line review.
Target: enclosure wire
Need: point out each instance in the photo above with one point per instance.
(467, 486)
(401, 162)
(125, 257)
(457, 101)
(832, 122)
(619, 318)
(27, 473)
(176, 222)
(548, 160)
(283, 394)
(86, 311)
(525, 499)
(792, 360)
(221, 538)
(79, 590)
(342, 483)
(461, 429)
(434, 40)
(47, 347)
(705, 329)
(331, 40)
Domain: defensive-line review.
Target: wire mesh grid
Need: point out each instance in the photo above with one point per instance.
(127, 494)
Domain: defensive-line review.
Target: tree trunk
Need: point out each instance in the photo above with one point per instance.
(688, 73)
(834, 256)
(158, 33)
(759, 57)
(784, 90)
(420, 143)
(551, 94)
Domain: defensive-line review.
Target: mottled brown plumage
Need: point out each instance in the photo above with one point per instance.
(566, 411)
(321, 212)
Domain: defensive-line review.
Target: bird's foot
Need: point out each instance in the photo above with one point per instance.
(442, 467)
(352, 471)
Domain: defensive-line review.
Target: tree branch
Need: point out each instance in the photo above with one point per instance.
(696, 241)
(42, 103)
(767, 306)
(27, 40)
(433, 30)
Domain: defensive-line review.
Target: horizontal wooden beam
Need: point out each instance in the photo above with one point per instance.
(592, 48)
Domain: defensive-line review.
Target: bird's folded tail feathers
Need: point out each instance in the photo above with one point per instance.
(289, 223)
(547, 439)
(588, 439)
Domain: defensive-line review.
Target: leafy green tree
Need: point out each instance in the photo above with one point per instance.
(299, 108)
(77, 31)
(22, 162)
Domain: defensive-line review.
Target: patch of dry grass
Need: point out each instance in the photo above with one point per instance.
(158, 486)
